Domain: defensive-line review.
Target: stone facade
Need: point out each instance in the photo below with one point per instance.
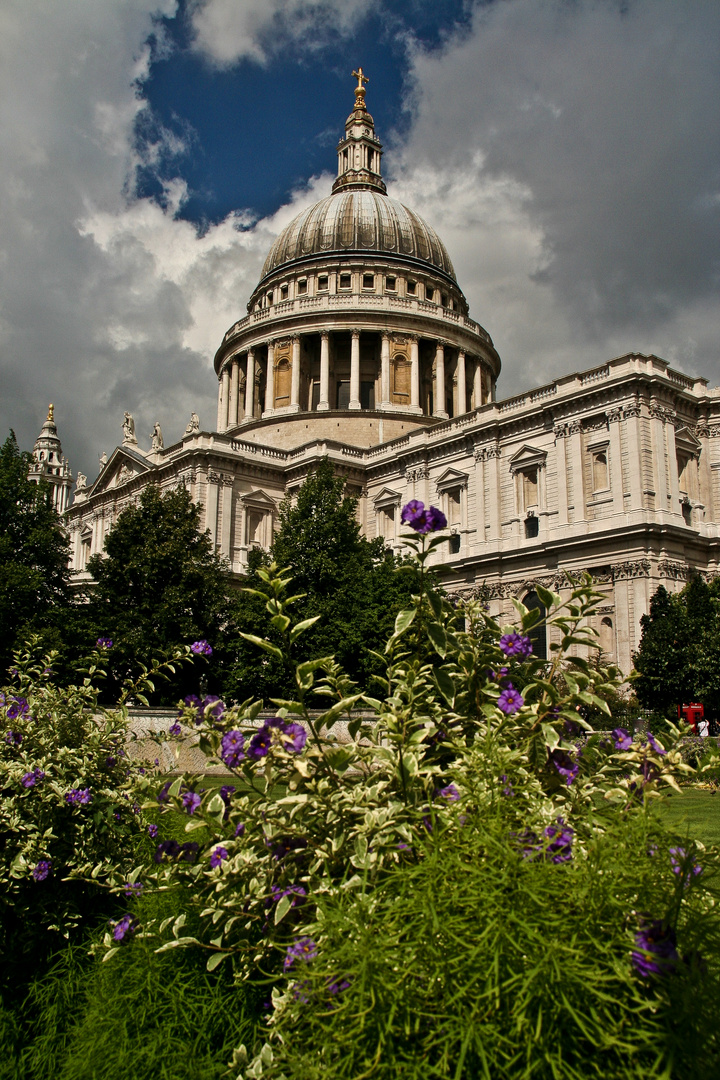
(358, 346)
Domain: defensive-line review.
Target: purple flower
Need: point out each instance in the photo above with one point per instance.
(188, 852)
(297, 735)
(565, 765)
(507, 788)
(78, 795)
(175, 729)
(286, 844)
(450, 792)
(30, 779)
(656, 746)
(260, 743)
(104, 643)
(17, 707)
(559, 850)
(304, 949)
(190, 801)
(152, 831)
(510, 701)
(42, 869)
(421, 520)
(516, 645)
(681, 863)
(133, 888)
(296, 891)
(124, 928)
(336, 986)
(162, 795)
(201, 648)
(213, 707)
(240, 828)
(232, 748)
(218, 856)
(622, 738)
(413, 513)
(13, 738)
(226, 791)
(655, 949)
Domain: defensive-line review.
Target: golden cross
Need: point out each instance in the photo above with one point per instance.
(360, 78)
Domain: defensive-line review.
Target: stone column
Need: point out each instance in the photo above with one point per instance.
(250, 386)
(385, 368)
(211, 507)
(439, 403)
(561, 470)
(226, 517)
(220, 404)
(414, 373)
(479, 455)
(234, 379)
(576, 458)
(295, 375)
(477, 385)
(461, 388)
(270, 380)
(224, 394)
(494, 493)
(674, 479)
(324, 402)
(355, 371)
(614, 460)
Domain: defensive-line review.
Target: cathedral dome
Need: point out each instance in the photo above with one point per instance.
(358, 220)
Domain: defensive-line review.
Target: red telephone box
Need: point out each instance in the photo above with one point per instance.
(692, 713)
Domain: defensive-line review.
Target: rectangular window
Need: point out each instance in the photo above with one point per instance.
(443, 299)
(322, 282)
(390, 284)
(302, 286)
(343, 394)
(367, 395)
(454, 545)
(386, 522)
(368, 281)
(345, 281)
(412, 287)
(315, 401)
(283, 292)
(429, 292)
(600, 471)
(269, 298)
(532, 527)
(530, 488)
(453, 499)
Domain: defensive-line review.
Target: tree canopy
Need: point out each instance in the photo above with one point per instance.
(355, 585)
(34, 573)
(678, 659)
(159, 584)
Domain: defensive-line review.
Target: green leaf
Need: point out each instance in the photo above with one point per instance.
(445, 685)
(300, 627)
(551, 736)
(546, 598)
(262, 644)
(438, 637)
(215, 959)
(435, 603)
(174, 789)
(284, 905)
(216, 805)
(403, 620)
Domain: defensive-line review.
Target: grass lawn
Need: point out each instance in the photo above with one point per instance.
(694, 813)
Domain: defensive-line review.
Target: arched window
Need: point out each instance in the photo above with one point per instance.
(607, 639)
(538, 633)
(282, 383)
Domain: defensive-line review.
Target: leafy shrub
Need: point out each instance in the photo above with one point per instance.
(70, 825)
(404, 884)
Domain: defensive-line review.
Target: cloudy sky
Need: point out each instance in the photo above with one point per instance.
(567, 151)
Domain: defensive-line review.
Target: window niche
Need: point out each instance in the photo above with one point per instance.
(527, 468)
(599, 466)
(368, 281)
(387, 515)
(452, 494)
(345, 281)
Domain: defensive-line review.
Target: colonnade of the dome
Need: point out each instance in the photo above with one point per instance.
(356, 369)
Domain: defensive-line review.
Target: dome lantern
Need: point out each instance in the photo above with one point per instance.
(360, 151)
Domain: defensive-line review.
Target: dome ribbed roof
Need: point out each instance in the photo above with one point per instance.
(358, 220)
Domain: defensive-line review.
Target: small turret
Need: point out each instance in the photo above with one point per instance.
(360, 152)
(49, 464)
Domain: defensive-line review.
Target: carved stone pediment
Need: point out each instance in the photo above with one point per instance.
(527, 457)
(451, 478)
(387, 497)
(258, 498)
(123, 466)
(686, 442)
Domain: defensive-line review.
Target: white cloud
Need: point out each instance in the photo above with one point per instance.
(580, 144)
(227, 31)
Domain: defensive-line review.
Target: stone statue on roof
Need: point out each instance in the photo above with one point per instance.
(194, 424)
(128, 427)
(157, 437)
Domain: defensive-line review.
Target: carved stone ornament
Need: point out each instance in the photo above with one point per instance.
(614, 415)
(487, 453)
(673, 570)
(660, 412)
(219, 477)
(416, 472)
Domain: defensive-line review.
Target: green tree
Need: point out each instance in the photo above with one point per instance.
(34, 573)
(355, 585)
(158, 584)
(661, 662)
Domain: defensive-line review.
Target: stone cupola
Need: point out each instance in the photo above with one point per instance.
(50, 465)
(360, 151)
